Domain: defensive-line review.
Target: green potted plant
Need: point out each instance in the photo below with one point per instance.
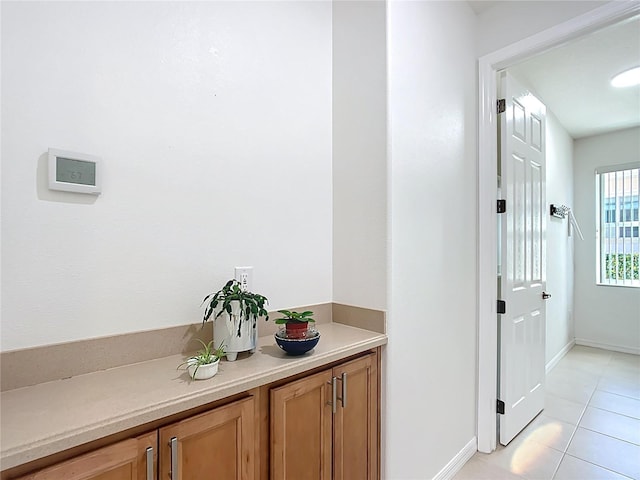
(235, 312)
(296, 323)
(204, 364)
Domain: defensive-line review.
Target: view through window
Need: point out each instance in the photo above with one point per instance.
(619, 225)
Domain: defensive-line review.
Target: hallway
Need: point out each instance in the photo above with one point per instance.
(589, 429)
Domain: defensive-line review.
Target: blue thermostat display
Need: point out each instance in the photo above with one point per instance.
(74, 172)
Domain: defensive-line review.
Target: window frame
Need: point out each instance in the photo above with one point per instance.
(619, 211)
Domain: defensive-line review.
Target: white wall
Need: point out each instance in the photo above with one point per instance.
(510, 21)
(604, 316)
(560, 247)
(431, 355)
(360, 154)
(213, 120)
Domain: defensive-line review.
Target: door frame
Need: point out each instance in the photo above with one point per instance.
(488, 66)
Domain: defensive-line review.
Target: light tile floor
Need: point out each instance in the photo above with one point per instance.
(589, 429)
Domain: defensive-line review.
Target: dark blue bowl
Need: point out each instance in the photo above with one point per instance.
(297, 346)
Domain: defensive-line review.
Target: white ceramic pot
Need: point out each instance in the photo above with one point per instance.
(225, 332)
(203, 371)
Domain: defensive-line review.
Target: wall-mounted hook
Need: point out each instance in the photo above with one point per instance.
(559, 211)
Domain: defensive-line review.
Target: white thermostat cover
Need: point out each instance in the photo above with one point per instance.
(74, 172)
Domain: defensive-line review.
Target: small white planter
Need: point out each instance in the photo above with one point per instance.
(202, 372)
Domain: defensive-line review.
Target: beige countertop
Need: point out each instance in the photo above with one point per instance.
(50, 417)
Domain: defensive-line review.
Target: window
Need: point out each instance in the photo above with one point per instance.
(609, 210)
(618, 191)
(628, 232)
(629, 209)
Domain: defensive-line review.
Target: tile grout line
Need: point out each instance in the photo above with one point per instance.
(587, 405)
(619, 395)
(600, 377)
(610, 436)
(573, 434)
(599, 466)
(614, 412)
(607, 371)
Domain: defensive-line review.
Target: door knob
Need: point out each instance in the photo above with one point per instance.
(545, 295)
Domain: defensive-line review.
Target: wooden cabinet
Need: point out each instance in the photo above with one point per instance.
(355, 423)
(125, 460)
(301, 429)
(325, 426)
(322, 425)
(216, 444)
(148, 456)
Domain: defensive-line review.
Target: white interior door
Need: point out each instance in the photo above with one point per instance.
(523, 277)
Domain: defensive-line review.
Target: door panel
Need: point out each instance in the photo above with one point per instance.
(522, 327)
(216, 444)
(147, 455)
(355, 429)
(114, 462)
(301, 429)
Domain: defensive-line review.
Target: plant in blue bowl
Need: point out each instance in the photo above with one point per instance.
(297, 346)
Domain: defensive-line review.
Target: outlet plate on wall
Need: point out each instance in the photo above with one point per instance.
(245, 276)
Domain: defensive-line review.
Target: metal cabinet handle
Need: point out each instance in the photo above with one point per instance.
(343, 399)
(149, 463)
(334, 392)
(545, 295)
(173, 443)
(334, 395)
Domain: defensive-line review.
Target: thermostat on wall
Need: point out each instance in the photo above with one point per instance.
(74, 172)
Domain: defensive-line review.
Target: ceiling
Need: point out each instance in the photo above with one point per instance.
(574, 80)
(480, 6)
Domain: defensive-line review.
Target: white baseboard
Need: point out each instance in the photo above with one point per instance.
(457, 462)
(554, 361)
(606, 346)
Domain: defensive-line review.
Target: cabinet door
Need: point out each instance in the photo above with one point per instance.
(301, 429)
(214, 445)
(115, 462)
(148, 456)
(355, 423)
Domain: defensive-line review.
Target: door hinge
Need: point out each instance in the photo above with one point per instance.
(500, 407)
(502, 306)
(502, 105)
(502, 206)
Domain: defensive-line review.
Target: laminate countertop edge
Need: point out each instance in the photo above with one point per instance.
(44, 419)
